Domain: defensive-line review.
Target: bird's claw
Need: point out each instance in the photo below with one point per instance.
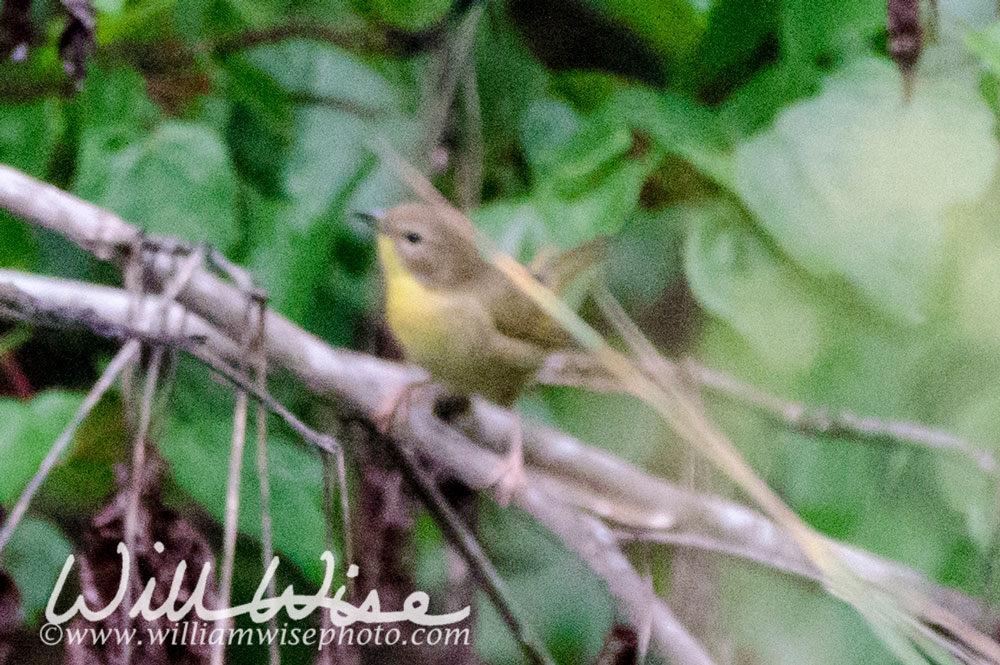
(509, 475)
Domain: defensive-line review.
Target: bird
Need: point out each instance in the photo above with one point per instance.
(457, 316)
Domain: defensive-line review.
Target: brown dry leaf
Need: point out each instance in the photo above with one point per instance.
(100, 574)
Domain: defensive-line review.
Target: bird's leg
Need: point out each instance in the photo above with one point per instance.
(395, 406)
(509, 473)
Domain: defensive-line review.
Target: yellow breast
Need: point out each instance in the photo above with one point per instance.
(415, 313)
(448, 333)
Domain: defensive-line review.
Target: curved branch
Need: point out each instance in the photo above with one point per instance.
(643, 506)
(559, 466)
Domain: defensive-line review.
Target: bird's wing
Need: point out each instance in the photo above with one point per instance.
(558, 270)
(516, 315)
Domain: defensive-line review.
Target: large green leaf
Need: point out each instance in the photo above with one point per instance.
(196, 443)
(738, 277)
(678, 125)
(735, 32)
(116, 98)
(813, 28)
(985, 44)
(517, 228)
(178, 181)
(753, 106)
(854, 182)
(28, 134)
(573, 217)
(28, 432)
(967, 488)
(34, 558)
(590, 179)
(326, 73)
(17, 247)
(331, 171)
(411, 15)
(673, 27)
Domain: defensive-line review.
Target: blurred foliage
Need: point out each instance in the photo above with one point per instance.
(777, 211)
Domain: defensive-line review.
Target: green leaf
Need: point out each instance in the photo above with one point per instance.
(738, 277)
(116, 99)
(34, 557)
(812, 28)
(854, 184)
(985, 44)
(966, 487)
(28, 134)
(680, 126)
(196, 443)
(754, 105)
(590, 182)
(29, 430)
(790, 624)
(109, 6)
(593, 148)
(735, 33)
(326, 72)
(323, 190)
(259, 150)
(672, 26)
(597, 207)
(647, 257)
(547, 126)
(329, 174)
(412, 15)
(517, 228)
(177, 181)
(509, 81)
(17, 247)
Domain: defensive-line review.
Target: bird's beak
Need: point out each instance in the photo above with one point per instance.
(371, 219)
(368, 224)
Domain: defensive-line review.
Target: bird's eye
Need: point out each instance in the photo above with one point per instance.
(413, 237)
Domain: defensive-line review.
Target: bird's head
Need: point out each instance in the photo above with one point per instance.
(434, 244)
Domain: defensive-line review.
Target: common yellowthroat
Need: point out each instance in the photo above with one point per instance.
(461, 319)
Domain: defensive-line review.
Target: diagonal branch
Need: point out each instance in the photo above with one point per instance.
(570, 470)
(560, 465)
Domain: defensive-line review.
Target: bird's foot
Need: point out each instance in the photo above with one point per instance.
(395, 406)
(508, 475)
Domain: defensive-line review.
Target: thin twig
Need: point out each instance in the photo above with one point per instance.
(352, 40)
(263, 474)
(599, 482)
(132, 277)
(456, 54)
(359, 382)
(345, 506)
(482, 568)
(125, 355)
(322, 441)
(250, 345)
(146, 406)
(578, 369)
(327, 657)
(236, 446)
(138, 475)
(470, 171)
(824, 421)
